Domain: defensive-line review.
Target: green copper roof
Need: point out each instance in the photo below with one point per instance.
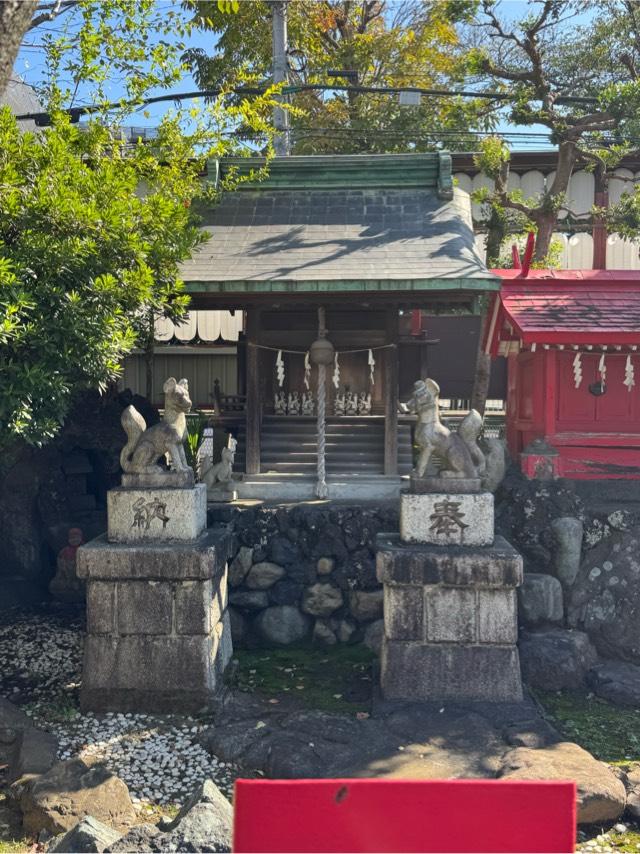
(349, 171)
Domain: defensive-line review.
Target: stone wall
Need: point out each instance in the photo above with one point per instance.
(46, 491)
(580, 600)
(305, 572)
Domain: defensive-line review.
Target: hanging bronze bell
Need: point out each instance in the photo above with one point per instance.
(321, 352)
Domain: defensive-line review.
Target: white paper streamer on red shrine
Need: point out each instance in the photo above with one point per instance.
(577, 370)
(629, 374)
(602, 367)
(336, 372)
(372, 366)
(280, 368)
(307, 372)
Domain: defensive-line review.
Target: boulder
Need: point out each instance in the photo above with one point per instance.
(366, 604)
(373, 636)
(344, 630)
(556, 658)
(142, 838)
(601, 796)
(26, 750)
(616, 681)
(282, 624)
(240, 566)
(567, 532)
(89, 835)
(321, 599)
(539, 600)
(282, 550)
(35, 752)
(263, 575)
(325, 565)
(323, 634)
(605, 597)
(633, 793)
(204, 824)
(68, 792)
(250, 600)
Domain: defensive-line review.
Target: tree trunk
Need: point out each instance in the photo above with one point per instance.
(546, 217)
(15, 17)
(495, 237)
(482, 375)
(546, 223)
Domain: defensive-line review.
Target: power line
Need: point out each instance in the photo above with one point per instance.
(43, 117)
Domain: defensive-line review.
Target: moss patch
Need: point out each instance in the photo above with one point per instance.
(611, 733)
(335, 679)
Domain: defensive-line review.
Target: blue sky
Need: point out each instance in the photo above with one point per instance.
(30, 64)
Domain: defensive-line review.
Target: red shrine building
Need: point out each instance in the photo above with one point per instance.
(572, 342)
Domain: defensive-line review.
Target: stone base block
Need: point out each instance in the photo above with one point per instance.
(447, 519)
(498, 565)
(156, 675)
(437, 614)
(444, 672)
(158, 629)
(160, 480)
(448, 485)
(159, 515)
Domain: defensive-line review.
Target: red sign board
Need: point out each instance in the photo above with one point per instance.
(404, 815)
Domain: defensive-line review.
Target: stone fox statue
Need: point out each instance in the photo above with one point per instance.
(460, 451)
(146, 444)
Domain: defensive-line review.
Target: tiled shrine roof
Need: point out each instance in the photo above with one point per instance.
(571, 306)
(354, 223)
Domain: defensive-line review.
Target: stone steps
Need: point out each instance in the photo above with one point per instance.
(353, 444)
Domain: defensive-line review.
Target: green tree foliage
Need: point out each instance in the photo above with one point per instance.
(539, 63)
(413, 43)
(93, 227)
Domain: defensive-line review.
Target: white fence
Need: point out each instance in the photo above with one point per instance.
(578, 248)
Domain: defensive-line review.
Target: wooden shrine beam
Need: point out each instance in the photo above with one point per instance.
(252, 450)
(391, 392)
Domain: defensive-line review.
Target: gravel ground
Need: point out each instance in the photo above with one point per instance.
(158, 757)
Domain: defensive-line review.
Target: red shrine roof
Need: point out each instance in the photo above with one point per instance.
(600, 307)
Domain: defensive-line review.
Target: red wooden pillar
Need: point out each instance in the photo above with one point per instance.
(512, 433)
(550, 399)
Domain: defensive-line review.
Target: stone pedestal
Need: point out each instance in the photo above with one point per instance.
(455, 519)
(156, 514)
(450, 621)
(158, 633)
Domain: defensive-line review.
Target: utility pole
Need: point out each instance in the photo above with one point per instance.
(280, 73)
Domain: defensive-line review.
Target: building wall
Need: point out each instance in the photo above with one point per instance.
(577, 250)
(201, 365)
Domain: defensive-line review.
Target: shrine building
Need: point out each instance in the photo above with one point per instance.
(357, 245)
(572, 340)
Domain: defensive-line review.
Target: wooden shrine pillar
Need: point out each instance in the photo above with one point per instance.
(390, 393)
(252, 450)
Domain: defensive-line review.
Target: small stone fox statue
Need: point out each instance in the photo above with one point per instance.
(146, 444)
(460, 451)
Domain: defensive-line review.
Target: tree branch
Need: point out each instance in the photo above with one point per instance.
(54, 9)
